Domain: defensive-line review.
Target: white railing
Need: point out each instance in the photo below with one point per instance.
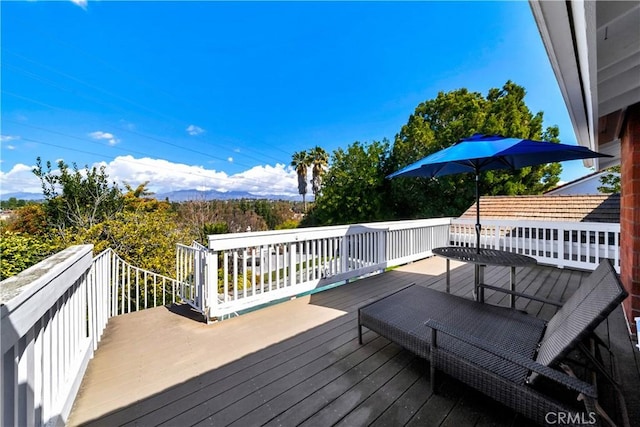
(52, 317)
(259, 267)
(565, 244)
(133, 288)
(46, 338)
(191, 274)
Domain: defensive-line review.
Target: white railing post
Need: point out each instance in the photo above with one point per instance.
(211, 283)
(561, 244)
(292, 265)
(344, 254)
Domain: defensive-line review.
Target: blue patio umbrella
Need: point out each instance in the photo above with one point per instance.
(490, 152)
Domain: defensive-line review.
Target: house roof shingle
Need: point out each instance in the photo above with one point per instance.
(578, 208)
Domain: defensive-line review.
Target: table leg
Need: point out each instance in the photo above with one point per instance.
(513, 287)
(481, 282)
(448, 276)
(478, 291)
(476, 295)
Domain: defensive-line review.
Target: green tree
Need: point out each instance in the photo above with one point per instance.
(288, 224)
(75, 198)
(215, 228)
(354, 189)
(611, 181)
(145, 238)
(319, 160)
(440, 122)
(14, 203)
(300, 162)
(19, 251)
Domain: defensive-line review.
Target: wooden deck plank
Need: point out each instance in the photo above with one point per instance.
(362, 357)
(405, 407)
(438, 407)
(342, 379)
(299, 401)
(243, 369)
(358, 385)
(382, 398)
(187, 349)
(218, 396)
(298, 362)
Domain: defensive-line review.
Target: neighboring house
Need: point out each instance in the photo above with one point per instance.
(5, 215)
(588, 184)
(578, 208)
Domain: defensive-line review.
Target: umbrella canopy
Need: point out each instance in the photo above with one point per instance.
(489, 152)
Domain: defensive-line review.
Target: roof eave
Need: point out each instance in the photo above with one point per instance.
(564, 31)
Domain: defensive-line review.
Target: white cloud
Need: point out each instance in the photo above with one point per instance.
(230, 159)
(20, 179)
(165, 176)
(194, 130)
(7, 138)
(262, 180)
(109, 137)
(81, 3)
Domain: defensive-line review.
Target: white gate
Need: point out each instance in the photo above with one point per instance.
(191, 275)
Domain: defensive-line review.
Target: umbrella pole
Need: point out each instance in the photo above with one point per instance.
(477, 212)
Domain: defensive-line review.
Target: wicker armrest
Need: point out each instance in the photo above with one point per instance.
(560, 377)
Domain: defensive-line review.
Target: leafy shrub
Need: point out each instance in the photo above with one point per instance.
(20, 251)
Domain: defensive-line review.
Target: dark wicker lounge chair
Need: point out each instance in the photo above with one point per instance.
(500, 351)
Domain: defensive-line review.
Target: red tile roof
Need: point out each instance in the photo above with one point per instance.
(579, 208)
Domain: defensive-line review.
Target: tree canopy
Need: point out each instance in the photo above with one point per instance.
(356, 190)
(610, 183)
(451, 116)
(75, 198)
(353, 189)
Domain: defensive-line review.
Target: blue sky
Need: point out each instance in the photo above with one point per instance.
(220, 94)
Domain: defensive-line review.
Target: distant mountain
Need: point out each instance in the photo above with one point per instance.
(22, 196)
(186, 195)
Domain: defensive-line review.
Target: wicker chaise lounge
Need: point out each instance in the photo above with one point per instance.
(499, 351)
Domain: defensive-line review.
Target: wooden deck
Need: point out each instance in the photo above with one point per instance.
(299, 362)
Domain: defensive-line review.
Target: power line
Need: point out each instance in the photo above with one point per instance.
(91, 99)
(246, 180)
(106, 92)
(119, 128)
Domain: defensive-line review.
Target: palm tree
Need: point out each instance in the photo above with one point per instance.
(319, 159)
(300, 161)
